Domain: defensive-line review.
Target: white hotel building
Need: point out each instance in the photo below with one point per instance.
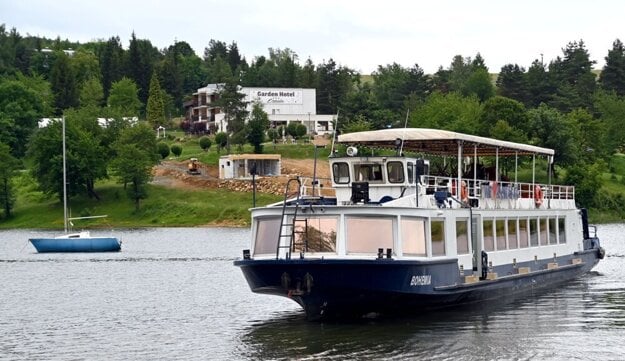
(282, 105)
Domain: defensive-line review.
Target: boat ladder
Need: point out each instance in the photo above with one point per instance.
(286, 237)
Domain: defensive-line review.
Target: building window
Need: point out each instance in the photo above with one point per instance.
(413, 236)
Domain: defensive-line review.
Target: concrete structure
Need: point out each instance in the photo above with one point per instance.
(282, 105)
(239, 166)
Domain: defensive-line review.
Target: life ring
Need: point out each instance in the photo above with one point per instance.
(538, 196)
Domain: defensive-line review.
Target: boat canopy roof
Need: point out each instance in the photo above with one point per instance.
(439, 142)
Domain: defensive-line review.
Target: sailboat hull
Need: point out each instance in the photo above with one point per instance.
(90, 244)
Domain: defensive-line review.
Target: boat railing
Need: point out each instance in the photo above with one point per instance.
(321, 188)
(499, 190)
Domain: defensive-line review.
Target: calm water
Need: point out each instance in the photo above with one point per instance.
(174, 294)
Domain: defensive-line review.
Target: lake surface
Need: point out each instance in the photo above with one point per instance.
(173, 293)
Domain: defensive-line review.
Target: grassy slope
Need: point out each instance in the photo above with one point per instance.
(186, 207)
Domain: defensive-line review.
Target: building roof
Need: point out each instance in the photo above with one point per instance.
(251, 156)
(439, 142)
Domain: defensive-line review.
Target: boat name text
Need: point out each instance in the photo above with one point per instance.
(422, 280)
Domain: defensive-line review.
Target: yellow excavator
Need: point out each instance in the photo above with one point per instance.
(193, 167)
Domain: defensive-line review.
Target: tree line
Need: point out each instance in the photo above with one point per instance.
(561, 103)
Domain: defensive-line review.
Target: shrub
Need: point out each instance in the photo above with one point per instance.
(221, 139)
(163, 149)
(205, 143)
(176, 149)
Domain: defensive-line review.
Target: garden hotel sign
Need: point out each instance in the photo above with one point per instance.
(276, 96)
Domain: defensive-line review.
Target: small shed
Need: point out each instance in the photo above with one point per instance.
(239, 166)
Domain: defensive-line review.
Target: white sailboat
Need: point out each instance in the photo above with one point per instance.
(74, 241)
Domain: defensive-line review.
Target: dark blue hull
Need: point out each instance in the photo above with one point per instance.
(92, 244)
(352, 288)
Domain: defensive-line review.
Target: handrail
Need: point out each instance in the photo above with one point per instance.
(502, 189)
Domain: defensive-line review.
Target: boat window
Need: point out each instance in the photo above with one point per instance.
(533, 232)
(368, 173)
(413, 236)
(267, 232)
(315, 234)
(544, 234)
(523, 233)
(438, 237)
(561, 230)
(553, 236)
(340, 172)
(512, 234)
(489, 236)
(395, 172)
(462, 235)
(410, 168)
(367, 234)
(500, 234)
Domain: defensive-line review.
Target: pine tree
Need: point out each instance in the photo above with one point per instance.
(155, 109)
(612, 76)
(63, 83)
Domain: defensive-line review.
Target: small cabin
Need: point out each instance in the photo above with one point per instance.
(376, 179)
(242, 166)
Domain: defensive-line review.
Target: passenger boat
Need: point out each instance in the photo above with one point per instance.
(396, 238)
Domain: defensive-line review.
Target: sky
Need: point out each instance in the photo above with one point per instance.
(361, 35)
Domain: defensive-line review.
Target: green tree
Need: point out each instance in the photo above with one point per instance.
(574, 78)
(393, 84)
(140, 62)
(550, 129)
(136, 155)
(64, 84)
(111, 56)
(504, 109)
(448, 111)
(176, 149)
(205, 143)
(155, 110)
(8, 168)
(85, 65)
(611, 108)
(612, 77)
(163, 149)
(511, 83)
(258, 123)
(221, 139)
(233, 104)
(479, 83)
(359, 124)
(20, 110)
(91, 93)
(124, 97)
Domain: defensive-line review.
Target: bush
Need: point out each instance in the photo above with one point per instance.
(176, 149)
(205, 143)
(221, 139)
(163, 149)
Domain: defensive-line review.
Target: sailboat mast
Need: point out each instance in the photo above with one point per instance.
(64, 180)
